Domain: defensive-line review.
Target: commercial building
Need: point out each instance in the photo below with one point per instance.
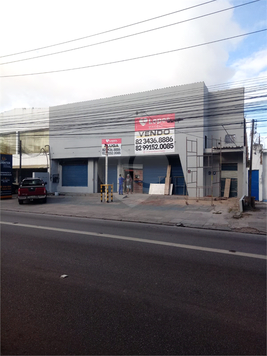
(200, 134)
(24, 135)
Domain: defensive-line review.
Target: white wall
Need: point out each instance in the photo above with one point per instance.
(44, 176)
(225, 116)
(31, 161)
(91, 182)
(24, 119)
(258, 164)
(78, 129)
(264, 175)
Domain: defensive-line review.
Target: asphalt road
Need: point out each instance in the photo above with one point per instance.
(130, 289)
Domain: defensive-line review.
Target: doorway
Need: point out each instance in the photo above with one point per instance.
(254, 183)
(137, 179)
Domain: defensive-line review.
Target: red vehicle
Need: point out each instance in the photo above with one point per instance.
(32, 189)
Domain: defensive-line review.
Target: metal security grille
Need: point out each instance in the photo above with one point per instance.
(229, 166)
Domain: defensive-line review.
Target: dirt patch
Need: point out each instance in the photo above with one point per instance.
(246, 214)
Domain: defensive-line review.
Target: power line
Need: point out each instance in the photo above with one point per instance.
(130, 132)
(134, 58)
(130, 35)
(98, 116)
(181, 130)
(111, 30)
(251, 86)
(123, 107)
(192, 122)
(188, 104)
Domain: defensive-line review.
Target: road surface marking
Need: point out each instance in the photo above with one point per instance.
(136, 239)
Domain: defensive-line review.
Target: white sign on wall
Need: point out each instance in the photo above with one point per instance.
(154, 134)
(114, 146)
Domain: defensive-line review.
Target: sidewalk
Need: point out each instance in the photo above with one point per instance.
(155, 209)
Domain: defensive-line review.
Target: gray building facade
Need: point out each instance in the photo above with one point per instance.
(200, 134)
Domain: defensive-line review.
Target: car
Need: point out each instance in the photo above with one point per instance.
(32, 189)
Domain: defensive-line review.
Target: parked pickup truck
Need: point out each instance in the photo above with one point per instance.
(32, 189)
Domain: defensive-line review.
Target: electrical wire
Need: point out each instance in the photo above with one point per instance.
(130, 35)
(116, 121)
(80, 118)
(134, 58)
(108, 31)
(89, 117)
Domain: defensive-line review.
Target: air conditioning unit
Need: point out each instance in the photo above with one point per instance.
(229, 138)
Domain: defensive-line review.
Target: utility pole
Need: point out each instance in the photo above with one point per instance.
(106, 172)
(48, 170)
(250, 162)
(20, 157)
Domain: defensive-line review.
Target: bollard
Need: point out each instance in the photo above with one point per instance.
(106, 192)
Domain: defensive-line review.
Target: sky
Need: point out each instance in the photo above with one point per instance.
(33, 24)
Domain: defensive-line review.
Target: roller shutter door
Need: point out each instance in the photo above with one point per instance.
(154, 171)
(75, 174)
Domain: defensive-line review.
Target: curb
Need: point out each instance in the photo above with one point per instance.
(173, 224)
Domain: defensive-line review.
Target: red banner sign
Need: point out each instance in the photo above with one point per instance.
(111, 141)
(111, 146)
(156, 122)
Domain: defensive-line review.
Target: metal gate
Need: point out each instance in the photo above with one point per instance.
(255, 184)
(112, 176)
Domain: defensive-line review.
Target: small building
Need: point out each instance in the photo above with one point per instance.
(259, 173)
(264, 175)
(200, 134)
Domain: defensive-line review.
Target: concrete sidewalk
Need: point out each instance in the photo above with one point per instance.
(156, 209)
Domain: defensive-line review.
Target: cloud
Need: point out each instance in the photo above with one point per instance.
(254, 65)
(64, 20)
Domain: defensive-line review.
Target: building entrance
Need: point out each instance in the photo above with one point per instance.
(137, 179)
